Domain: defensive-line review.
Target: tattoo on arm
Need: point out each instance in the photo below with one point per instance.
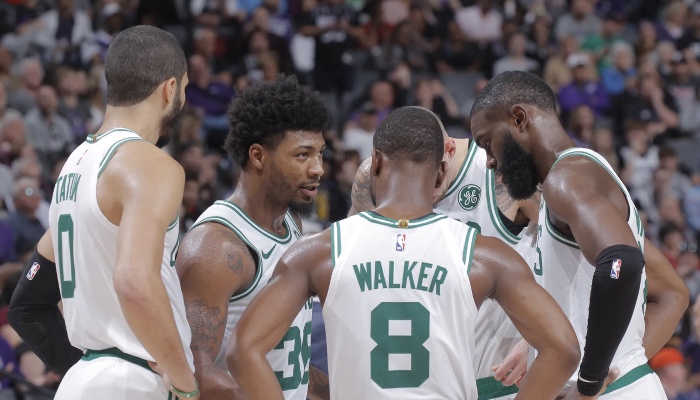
(205, 323)
(235, 263)
(362, 199)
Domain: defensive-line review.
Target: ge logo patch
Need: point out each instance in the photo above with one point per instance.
(469, 197)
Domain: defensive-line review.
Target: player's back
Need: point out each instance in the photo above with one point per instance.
(566, 274)
(400, 312)
(85, 247)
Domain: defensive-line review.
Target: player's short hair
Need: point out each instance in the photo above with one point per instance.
(138, 61)
(514, 87)
(412, 134)
(264, 112)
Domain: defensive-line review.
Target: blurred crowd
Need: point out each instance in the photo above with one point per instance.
(626, 74)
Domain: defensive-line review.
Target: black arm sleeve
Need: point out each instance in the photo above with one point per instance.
(614, 293)
(34, 314)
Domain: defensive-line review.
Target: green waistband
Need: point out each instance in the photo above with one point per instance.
(490, 388)
(115, 352)
(629, 378)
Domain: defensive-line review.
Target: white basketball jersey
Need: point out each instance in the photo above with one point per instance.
(564, 272)
(85, 247)
(290, 359)
(495, 333)
(400, 312)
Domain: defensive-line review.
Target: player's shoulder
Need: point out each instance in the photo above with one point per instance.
(210, 242)
(577, 175)
(149, 161)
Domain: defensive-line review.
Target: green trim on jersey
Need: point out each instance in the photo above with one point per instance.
(92, 138)
(558, 236)
(463, 170)
(175, 221)
(279, 239)
(113, 149)
(506, 235)
(414, 223)
(469, 244)
(629, 378)
(258, 272)
(490, 388)
(291, 217)
(335, 242)
(115, 352)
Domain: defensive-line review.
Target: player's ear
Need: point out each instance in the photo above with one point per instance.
(442, 174)
(520, 117)
(256, 156)
(377, 160)
(169, 91)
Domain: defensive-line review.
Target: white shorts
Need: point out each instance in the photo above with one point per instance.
(111, 378)
(490, 389)
(645, 387)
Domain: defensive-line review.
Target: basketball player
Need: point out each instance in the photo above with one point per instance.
(402, 326)
(473, 194)
(229, 254)
(113, 231)
(590, 238)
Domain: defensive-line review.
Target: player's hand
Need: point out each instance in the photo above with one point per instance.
(514, 367)
(573, 394)
(158, 370)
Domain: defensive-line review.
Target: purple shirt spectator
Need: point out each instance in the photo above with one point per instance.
(213, 98)
(7, 243)
(589, 93)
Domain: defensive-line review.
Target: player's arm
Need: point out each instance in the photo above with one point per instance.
(34, 312)
(499, 272)
(213, 264)
(595, 210)
(361, 196)
(269, 316)
(149, 185)
(667, 299)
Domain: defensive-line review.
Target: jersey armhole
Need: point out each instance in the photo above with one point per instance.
(468, 250)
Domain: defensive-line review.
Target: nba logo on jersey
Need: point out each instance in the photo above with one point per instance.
(33, 270)
(401, 242)
(615, 271)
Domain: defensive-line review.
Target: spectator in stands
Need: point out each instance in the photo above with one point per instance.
(5, 112)
(543, 44)
(65, 36)
(279, 22)
(671, 25)
(679, 183)
(23, 221)
(669, 365)
(431, 94)
(406, 46)
(647, 101)
(582, 90)
(640, 159)
(190, 155)
(73, 108)
(335, 27)
(361, 137)
(12, 139)
(112, 24)
(48, 132)
(671, 237)
(691, 37)
(647, 42)
(212, 13)
(516, 59)
(579, 22)
(689, 269)
(556, 72)
(6, 61)
(480, 23)
(599, 43)
(685, 88)
(691, 205)
(191, 205)
(31, 75)
(581, 125)
(604, 144)
(617, 76)
(456, 53)
(382, 96)
(208, 97)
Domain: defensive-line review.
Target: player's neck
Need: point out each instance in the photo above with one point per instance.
(250, 196)
(551, 147)
(136, 118)
(403, 198)
(453, 167)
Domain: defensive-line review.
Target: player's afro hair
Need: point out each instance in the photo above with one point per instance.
(509, 88)
(264, 112)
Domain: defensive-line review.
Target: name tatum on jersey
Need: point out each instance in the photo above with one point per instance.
(408, 278)
(67, 187)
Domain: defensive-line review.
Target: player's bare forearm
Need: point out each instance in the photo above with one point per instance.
(545, 377)
(667, 300)
(319, 387)
(257, 379)
(361, 196)
(215, 383)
